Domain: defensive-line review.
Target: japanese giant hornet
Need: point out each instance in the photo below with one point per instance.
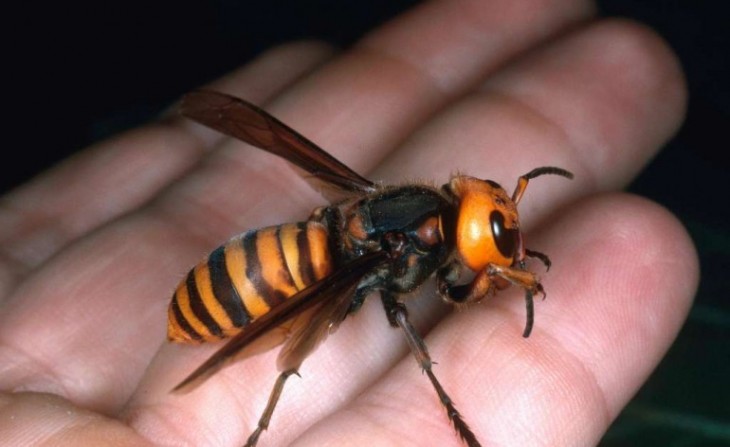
(292, 284)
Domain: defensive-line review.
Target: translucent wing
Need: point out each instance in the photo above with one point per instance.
(305, 338)
(247, 122)
(331, 295)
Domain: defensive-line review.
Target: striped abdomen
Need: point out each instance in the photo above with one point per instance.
(245, 278)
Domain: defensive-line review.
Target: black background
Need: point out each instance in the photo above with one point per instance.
(76, 73)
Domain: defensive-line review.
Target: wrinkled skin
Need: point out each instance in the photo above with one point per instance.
(92, 249)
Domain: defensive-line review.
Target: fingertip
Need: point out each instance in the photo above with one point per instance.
(648, 69)
(624, 282)
(613, 88)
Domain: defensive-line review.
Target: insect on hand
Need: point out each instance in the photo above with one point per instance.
(292, 284)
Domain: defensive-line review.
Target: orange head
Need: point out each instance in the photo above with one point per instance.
(487, 223)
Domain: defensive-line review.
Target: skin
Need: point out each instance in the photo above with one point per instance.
(92, 249)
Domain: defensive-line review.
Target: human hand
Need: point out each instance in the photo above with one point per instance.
(93, 248)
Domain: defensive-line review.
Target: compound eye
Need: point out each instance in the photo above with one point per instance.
(506, 239)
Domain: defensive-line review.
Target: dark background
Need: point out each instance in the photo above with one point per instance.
(79, 72)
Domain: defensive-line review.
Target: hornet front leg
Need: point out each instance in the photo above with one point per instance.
(488, 280)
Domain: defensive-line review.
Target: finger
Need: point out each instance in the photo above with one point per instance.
(117, 175)
(622, 96)
(621, 286)
(478, 138)
(32, 419)
(124, 273)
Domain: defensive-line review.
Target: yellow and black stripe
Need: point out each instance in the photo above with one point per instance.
(245, 278)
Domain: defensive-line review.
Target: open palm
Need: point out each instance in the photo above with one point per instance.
(92, 250)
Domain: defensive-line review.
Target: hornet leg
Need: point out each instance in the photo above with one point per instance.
(273, 399)
(398, 317)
